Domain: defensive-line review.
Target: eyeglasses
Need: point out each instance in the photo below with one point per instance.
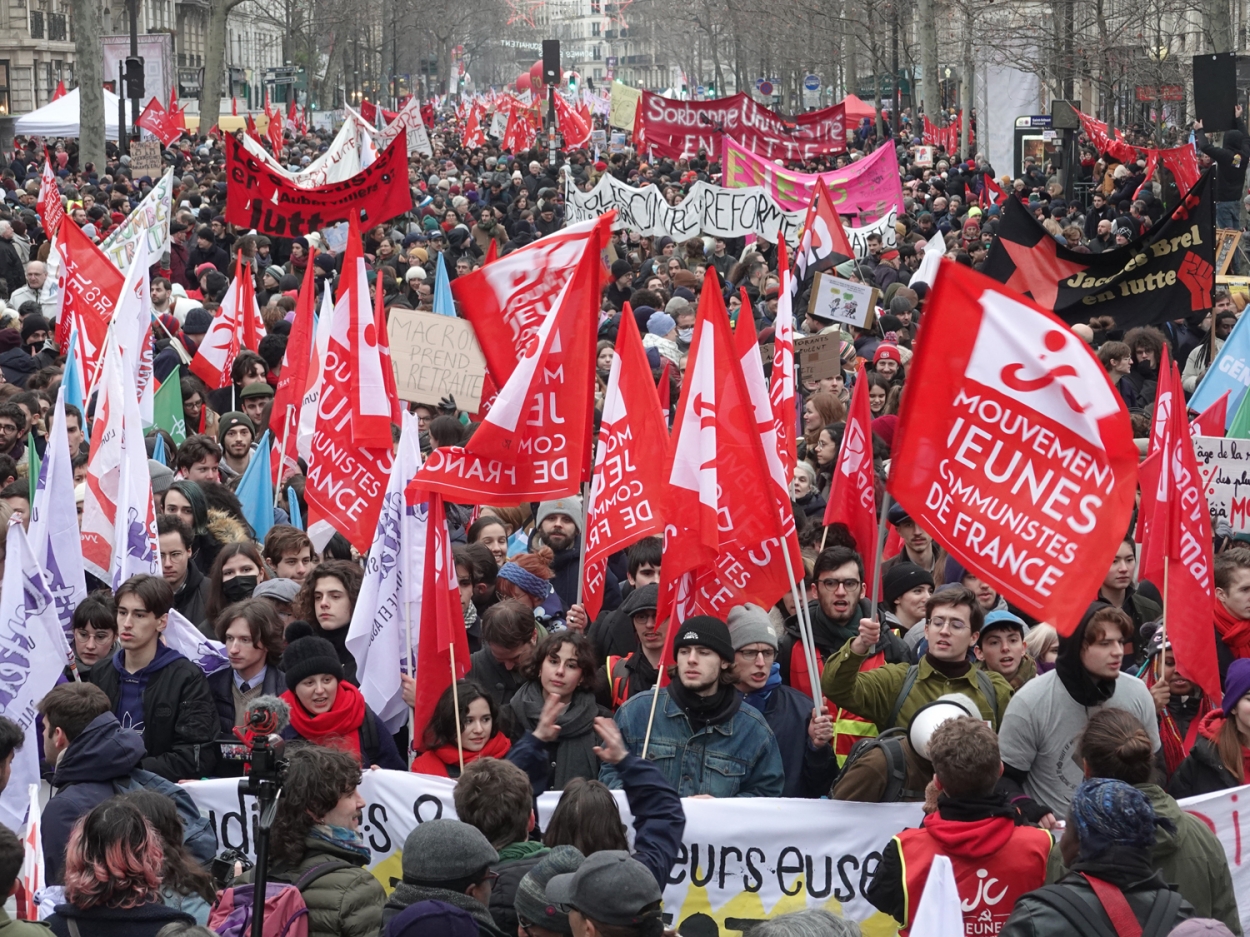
(832, 584)
(766, 655)
(492, 877)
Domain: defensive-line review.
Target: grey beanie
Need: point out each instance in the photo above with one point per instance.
(162, 476)
(531, 902)
(570, 507)
(445, 851)
(749, 624)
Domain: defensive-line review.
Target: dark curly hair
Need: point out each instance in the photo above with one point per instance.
(316, 779)
(345, 571)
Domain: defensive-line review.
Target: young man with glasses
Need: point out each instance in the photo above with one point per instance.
(890, 695)
(804, 737)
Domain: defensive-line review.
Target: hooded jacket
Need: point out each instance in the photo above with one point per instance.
(83, 778)
(1202, 771)
(1231, 158)
(191, 600)
(180, 721)
(143, 921)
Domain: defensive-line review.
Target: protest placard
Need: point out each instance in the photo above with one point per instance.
(1224, 465)
(145, 159)
(819, 355)
(842, 300)
(435, 356)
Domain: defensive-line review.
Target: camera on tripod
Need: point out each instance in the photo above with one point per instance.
(266, 773)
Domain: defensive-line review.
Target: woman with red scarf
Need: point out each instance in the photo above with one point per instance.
(481, 734)
(1232, 607)
(327, 710)
(1181, 706)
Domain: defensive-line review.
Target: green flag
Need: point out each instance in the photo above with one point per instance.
(32, 464)
(167, 408)
(1241, 420)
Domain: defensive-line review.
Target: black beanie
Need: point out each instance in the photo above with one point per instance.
(903, 578)
(307, 657)
(705, 631)
(32, 324)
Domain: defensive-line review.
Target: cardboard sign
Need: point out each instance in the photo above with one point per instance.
(819, 355)
(145, 159)
(1224, 466)
(435, 356)
(924, 156)
(842, 300)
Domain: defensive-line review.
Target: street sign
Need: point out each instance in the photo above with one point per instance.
(764, 87)
(811, 83)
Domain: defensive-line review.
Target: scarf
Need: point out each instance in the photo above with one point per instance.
(828, 634)
(343, 838)
(299, 263)
(496, 746)
(969, 808)
(522, 850)
(704, 711)
(759, 698)
(1234, 632)
(573, 750)
(339, 727)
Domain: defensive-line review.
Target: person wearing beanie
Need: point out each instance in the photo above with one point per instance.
(1220, 758)
(535, 914)
(559, 526)
(448, 861)
(804, 737)
(905, 591)
(626, 675)
(1107, 844)
(317, 841)
(235, 433)
(325, 708)
(254, 398)
(621, 287)
(661, 334)
(700, 721)
(16, 364)
(887, 361)
(432, 919)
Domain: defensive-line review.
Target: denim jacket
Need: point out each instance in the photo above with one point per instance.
(738, 758)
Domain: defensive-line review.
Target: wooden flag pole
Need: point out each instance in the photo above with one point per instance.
(1163, 624)
(805, 632)
(655, 695)
(581, 555)
(876, 570)
(277, 489)
(412, 673)
(455, 703)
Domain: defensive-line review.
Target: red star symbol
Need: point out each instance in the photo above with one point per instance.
(1039, 270)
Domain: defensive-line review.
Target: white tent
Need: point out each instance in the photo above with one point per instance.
(59, 118)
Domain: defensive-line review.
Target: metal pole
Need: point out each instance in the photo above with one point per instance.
(133, 6)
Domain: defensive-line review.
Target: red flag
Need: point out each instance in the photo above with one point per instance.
(517, 136)
(1018, 456)
(534, 444)
(237, 325)
(351, 445)
(274, 130)
(781, 388)
(441, 638)
(1182, 526)
(991, 192)
(158, 120)
(507, 300)
(49, 205)
(292, 380)
(626, 489)
(384, 354)
(489, 392)
(249, 124)
(852, 496)
(474, 136)
(91, 286)
(369, 111)
(1167, 395)
(721, 537)
(234, 107)
(823, 243)
(666, 380)
(60, 91)
(492, 252)
(1211, 421)
(575, 130)
(260, 199)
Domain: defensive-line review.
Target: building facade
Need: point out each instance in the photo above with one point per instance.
(36, 53)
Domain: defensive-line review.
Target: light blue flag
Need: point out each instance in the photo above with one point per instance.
(443, 303)
(75, 388)
(255, 491)
(292, 508)
(1229, 372)
(158, 450)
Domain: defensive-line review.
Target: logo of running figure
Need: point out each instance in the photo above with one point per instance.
(1055, 341)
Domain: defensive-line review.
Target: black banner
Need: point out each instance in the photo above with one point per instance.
(1166, 274)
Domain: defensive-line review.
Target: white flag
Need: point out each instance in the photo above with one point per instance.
(136, 546)
(939, 913)
(54, 537)
(389, 607)
(132, 324)
(190, 642)
(31, 643)
(312, 390)
(104, 464)
(148, 223)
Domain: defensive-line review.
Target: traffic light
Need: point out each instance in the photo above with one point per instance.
(134, 76)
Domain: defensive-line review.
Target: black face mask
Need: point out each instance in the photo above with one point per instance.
(239, 588)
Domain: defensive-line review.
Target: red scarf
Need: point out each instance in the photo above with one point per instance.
(1234, 632)
(436, 760)
(339, 727)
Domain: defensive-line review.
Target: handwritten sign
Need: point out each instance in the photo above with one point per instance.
(1224, 465)
(145, 159)
(435, 356)
(842, 300)
(819, 355)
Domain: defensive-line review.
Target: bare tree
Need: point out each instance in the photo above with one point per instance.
(88, 26)
(214, 60)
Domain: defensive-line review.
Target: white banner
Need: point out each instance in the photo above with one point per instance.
(706, 209)
(741, 860)
(1224, 466)
(409, 118)
(150, 219)
(339, 162)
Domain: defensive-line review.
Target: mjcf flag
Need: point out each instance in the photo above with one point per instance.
(1165, 274)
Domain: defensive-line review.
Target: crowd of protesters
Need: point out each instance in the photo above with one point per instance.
(941, 692)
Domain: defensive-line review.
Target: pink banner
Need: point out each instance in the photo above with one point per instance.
(674, 129)
(866, 190)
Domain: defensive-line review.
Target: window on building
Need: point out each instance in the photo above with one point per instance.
(4, 86)
(594, 28)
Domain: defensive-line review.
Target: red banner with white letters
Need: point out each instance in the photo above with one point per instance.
(677, 129)
(1013, 449)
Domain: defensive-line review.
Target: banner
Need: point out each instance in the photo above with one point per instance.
(1167, 274)
(1224, 468)
(867, 188)
(706, 209)
(677, 129)
(409, 119)
(260, 199)
(435, 356)
(1018, 458)
(338, 163)
(150, 220)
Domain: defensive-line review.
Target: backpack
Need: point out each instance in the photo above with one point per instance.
(286, 915)
(891, 743)
(984, 683)
(198, 834)
(1087, 914)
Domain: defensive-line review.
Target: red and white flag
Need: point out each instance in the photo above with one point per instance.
(721, 537)
(506, 301)
(159, 122)
(442, 644)
(34, 868)
(1181, 563)
(237, 325)
(386, 363)
(534, 444)
(352, 448)
(1168, 394)
(274, 130)
(178, 116)
(60, 91)
(781, 387)
(852, 494)
(1211, 421)
(91, 286)
(104, 466)
(474, 135)
(575, 129)
(1017, 455)
(626, 489)
(517, 135)
(49, 205)
(292, 382)
(823, 243)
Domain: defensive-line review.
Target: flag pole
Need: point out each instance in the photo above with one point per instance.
(805, 630)
(1163, 624)
(581, 556)
(824, 534)
(655, 695)
(277, 489)
(876, 570)
(412, 672)
(455, 702)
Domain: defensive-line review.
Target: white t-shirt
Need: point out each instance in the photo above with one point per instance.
(1041, 728)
